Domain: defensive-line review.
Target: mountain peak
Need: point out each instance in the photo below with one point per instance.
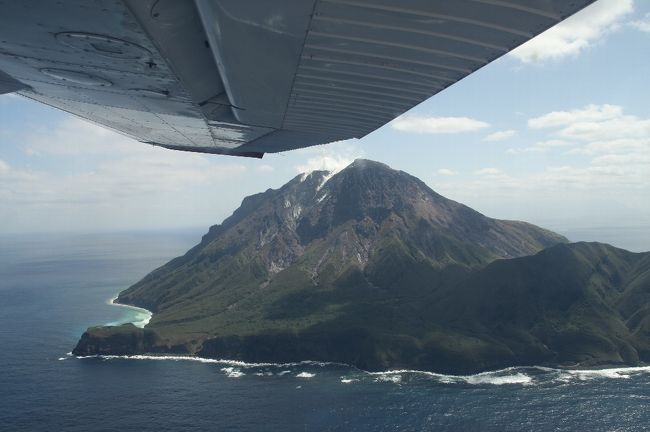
(362, 164)
(358, 165)
(365, 178)
(322, 254)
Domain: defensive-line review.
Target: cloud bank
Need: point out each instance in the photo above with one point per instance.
(577, 33)
(500, 135)
(437, 125)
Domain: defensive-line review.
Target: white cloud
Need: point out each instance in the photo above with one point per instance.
(613, 176)
(331, 157)
(488, 172)
(120, 180)
(553, 143)
(264, 168)
(74, 136)
(126, 193)
(629, 127)
(600, 129)
(642, 24)
(4, 167)
(13, 99)
(500, 135)
(539, 147)
(80, 176)
(589, 113)
(446, 172)
(120, 166)
(437, 125)
(332, 163)
(618, 169)
(622, 159)
(576, 33)
(617, 146)
(523, 150)
(608, 190)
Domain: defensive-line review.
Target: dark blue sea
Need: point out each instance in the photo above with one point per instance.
(53, 287)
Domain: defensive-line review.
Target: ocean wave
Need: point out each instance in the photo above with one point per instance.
(239, 363)
(140, 319)
(232, 372)
(67, 356)
(517, 378)
(520, 375)
(394, 378)
(345, 380)
(615, 373)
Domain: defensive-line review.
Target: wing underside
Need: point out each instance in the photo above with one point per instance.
(257, 76)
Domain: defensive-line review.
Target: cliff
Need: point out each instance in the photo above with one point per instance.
(373, 268)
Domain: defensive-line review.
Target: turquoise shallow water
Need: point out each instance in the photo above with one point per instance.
(53, 287)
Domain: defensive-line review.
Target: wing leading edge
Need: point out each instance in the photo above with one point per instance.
(254, 77)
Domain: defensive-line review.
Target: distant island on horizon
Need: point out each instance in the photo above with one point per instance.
(372, 268)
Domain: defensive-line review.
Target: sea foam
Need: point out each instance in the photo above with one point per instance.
(522, 375)
(615, 373)
(140, 319)
(239, 363)
(232, 372)
(346, 380)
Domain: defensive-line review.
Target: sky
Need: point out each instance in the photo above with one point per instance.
(556, 133)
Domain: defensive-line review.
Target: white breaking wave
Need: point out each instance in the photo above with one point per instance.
(518, 378)
(607, 373)
(524, 375)
(228, 362)
(348, 380)
(140, 319)
(499, 377)
(517, 375)
(232, 372)
(67, 356)
(394, 378)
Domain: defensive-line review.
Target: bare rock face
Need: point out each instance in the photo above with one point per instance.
(126, 339)
(370, 266)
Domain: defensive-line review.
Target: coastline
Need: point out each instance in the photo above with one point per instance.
(145, 314)
(130, 339)
(522, 375)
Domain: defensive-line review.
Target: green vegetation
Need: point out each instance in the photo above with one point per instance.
(375, 269)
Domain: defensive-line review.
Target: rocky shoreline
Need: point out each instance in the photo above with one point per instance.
(372, 268)
(129, 340)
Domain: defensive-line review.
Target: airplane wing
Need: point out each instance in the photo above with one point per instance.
(248, 77)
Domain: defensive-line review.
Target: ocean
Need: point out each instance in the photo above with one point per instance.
(52, 287)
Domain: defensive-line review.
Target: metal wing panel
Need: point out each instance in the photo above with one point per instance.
(245, 78)
(257, 45)
(365, 62)
(94, 60)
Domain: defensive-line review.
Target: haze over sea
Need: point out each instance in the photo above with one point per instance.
(52, 287)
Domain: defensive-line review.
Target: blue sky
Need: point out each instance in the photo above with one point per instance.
(556, 133)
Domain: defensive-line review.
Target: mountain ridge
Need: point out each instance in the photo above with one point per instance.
(371, 267)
